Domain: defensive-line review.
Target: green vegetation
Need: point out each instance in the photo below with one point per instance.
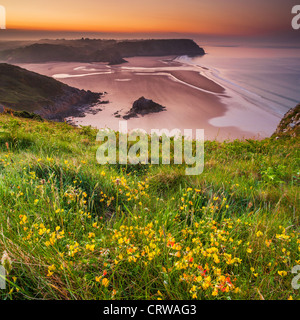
(73, 229)
(23, 114)
(21, 89)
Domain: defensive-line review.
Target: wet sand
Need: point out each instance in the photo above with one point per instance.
(192, 100)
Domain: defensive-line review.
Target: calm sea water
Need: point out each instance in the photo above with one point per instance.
(270, 75)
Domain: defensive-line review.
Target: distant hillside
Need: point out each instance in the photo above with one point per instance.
(290, 124)
(86, 50)
(21, 89)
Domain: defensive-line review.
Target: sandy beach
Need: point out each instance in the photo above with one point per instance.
(193, 99)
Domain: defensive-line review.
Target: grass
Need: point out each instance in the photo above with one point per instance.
(73, 229)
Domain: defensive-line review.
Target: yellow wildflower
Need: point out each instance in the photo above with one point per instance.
(105, 282)
(258, 234)
(90, 247)
(215, 292)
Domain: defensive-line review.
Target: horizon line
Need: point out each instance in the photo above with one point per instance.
(158, 32)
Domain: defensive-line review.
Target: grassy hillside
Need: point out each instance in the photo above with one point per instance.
(73, 229)
(21, 89)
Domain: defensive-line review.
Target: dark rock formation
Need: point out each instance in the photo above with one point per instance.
(73, 102)
(143, 106)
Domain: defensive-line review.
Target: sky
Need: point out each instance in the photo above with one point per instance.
(222, 17)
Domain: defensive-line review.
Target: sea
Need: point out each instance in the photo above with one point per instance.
(270, 76)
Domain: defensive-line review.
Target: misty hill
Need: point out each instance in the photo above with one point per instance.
(21, 89)
(86, 50)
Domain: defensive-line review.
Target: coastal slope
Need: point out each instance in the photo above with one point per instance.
(21, 89)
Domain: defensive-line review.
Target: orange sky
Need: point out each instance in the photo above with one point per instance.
(197, 16)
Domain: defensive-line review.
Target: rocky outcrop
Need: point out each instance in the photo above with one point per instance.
(143, 106)
(73, 102)
(289, 126)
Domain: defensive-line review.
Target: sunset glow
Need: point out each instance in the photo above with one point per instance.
(211, 17)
